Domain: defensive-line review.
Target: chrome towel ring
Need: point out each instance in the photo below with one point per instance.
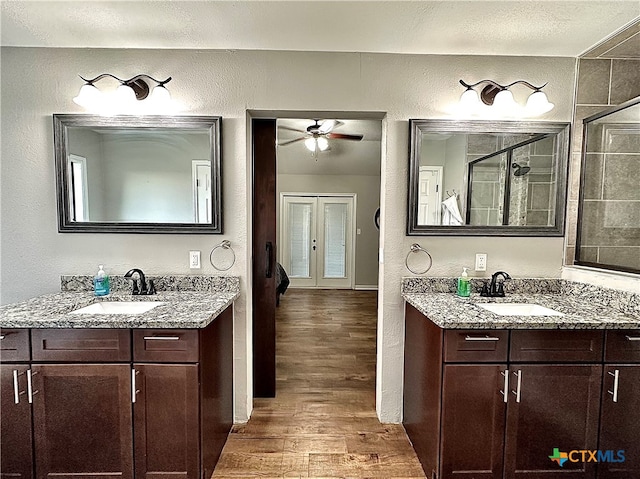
(225, 245)
(416, 248)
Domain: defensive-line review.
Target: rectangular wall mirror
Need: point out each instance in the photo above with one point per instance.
(147, 174)
(487, 178)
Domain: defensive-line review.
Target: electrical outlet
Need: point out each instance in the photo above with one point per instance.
(481, 261)
(194, 259)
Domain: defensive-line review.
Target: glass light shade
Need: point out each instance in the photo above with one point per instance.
(125, 95)
(323, 143)
(88, 96)
(160, 96)
(469, 100)
(504, 101)
(310, 143)
(538, 103)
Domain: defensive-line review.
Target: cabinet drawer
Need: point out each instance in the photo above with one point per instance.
(84, 345)
(165, 345)
(14, 345)
(622, 346)
(557, 346)
(474, 345)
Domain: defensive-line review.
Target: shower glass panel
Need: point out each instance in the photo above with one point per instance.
(609, 207)
(486, 191)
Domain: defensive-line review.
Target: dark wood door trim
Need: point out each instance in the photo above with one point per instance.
(263, 160)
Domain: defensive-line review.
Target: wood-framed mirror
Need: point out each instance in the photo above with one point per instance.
(138, 174)
(487, 178)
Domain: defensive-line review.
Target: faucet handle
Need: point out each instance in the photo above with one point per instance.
(135, 289)
(485, 290)
(152, 288)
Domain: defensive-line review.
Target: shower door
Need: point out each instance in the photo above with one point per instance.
(316, 240)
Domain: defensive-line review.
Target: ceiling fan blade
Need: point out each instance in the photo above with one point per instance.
(343, 136)
(285, 143)
(327, 126)
(288, 128)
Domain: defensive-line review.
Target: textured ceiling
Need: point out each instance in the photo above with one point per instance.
(477, 27)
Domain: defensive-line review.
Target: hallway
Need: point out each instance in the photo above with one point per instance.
(323, 421)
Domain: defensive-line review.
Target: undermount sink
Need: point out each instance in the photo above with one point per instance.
(118, 307)
(519, 309)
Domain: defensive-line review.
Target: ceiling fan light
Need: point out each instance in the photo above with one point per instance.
(323, 143)
(538, 103)
(310, 143)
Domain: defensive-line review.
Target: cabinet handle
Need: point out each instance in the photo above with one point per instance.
(505, 390)
(16, 393)
(616, 379)
(632, 338)
(518, 385)
(30, 391)
(2, 337)
(161, 338)
(133, 386)
(483, 338)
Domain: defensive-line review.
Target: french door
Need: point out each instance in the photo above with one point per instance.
(316, 240)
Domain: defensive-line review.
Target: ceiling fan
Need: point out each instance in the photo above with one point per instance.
(316, 137)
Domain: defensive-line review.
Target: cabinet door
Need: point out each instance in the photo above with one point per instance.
(82, 421)
(551, 406)
(620, 422)
(166, 421)
(16, 461)
(473, 416)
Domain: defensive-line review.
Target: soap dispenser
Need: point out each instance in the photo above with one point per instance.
(464, 284)
(101, 282)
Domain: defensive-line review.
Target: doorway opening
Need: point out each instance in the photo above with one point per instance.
(316, 191)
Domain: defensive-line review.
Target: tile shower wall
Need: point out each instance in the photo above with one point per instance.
(608, 75)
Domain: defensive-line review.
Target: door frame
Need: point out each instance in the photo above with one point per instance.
(352, 250)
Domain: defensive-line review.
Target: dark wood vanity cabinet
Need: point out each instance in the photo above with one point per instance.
(493, 404)
(132, 404)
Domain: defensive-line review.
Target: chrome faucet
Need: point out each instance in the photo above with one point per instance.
(495, 289)
(144, 288)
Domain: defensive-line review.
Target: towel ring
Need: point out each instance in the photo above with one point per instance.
(226, 244)
(416, 248)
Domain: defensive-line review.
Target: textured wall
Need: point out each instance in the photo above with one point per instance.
(39, 82)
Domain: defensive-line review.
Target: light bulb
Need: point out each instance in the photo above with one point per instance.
(125, 95)
(88, 97)
(504, 102)
(310, 143)
(538, 103)
(469, 100)
(323, 143)
(160, 96)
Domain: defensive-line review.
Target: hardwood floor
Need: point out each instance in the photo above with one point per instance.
(322, 422)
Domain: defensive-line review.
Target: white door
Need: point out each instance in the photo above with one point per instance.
(201, 185)
(317, 240)
(429, 195)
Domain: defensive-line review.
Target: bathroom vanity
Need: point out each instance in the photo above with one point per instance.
(491, 396)
(147, 395)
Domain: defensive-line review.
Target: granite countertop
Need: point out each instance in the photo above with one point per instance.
(582, 307)
(181, 309)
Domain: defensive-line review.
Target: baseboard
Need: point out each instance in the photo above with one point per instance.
(366, 287)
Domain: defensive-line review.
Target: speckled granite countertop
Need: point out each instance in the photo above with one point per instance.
(581, 310)
(181, 309)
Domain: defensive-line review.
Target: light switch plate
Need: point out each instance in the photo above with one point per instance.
(194, 259)
(481, 262)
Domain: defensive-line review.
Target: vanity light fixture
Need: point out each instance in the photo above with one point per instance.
(501, 98)
(126, 96)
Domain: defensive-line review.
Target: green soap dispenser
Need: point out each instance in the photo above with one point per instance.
(464, 284)
(101, 282)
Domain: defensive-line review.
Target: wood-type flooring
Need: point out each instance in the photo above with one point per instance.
(322, 422)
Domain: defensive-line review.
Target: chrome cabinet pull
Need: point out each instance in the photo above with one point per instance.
(30, 391)
(616, 379)
(505, 390)
(632, 338)
(134, 391)
(478, 338)
(161, 338)
(518, 385)
(16, 393)
(1, 337)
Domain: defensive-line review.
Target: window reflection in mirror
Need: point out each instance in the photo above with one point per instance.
(487, 178)
(609, 207)
(149, 174)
